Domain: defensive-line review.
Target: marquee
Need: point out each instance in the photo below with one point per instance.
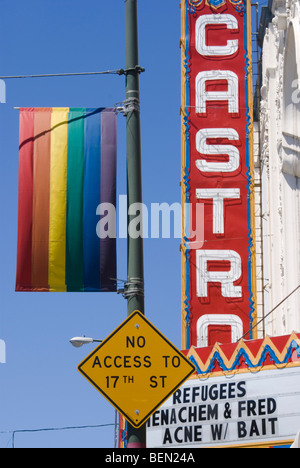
(244, 395)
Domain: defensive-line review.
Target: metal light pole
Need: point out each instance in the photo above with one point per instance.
(134, 292)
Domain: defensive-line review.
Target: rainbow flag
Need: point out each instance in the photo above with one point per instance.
(67, 167)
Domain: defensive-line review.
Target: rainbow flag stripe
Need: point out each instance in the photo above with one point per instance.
(67, 168)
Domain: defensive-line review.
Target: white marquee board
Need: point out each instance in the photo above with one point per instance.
(239, 409)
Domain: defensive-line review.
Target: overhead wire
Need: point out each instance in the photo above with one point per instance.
(121, 71)
(269, 313)
(66, 428)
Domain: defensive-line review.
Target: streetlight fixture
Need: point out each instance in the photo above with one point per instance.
(78, 342)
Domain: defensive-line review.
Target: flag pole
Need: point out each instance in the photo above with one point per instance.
(134, 291)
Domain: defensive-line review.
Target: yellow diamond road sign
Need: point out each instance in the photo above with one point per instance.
(136, 368)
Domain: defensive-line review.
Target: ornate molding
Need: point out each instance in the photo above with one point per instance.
(247, 356)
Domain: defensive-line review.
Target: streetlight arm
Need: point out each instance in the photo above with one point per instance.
(77, 342)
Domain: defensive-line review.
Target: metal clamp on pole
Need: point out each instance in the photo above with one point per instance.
(134, 287)
(130, 105)
(137, 69)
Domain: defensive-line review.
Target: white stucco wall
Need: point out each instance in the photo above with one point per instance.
(280, 166)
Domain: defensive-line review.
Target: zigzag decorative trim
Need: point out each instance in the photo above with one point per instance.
(238, 4)
(247, 356)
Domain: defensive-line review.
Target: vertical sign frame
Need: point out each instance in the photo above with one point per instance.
(219, 273)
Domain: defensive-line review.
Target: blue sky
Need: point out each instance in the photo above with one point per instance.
(40, 386)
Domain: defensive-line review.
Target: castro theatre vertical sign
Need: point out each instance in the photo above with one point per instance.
(217, 171)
